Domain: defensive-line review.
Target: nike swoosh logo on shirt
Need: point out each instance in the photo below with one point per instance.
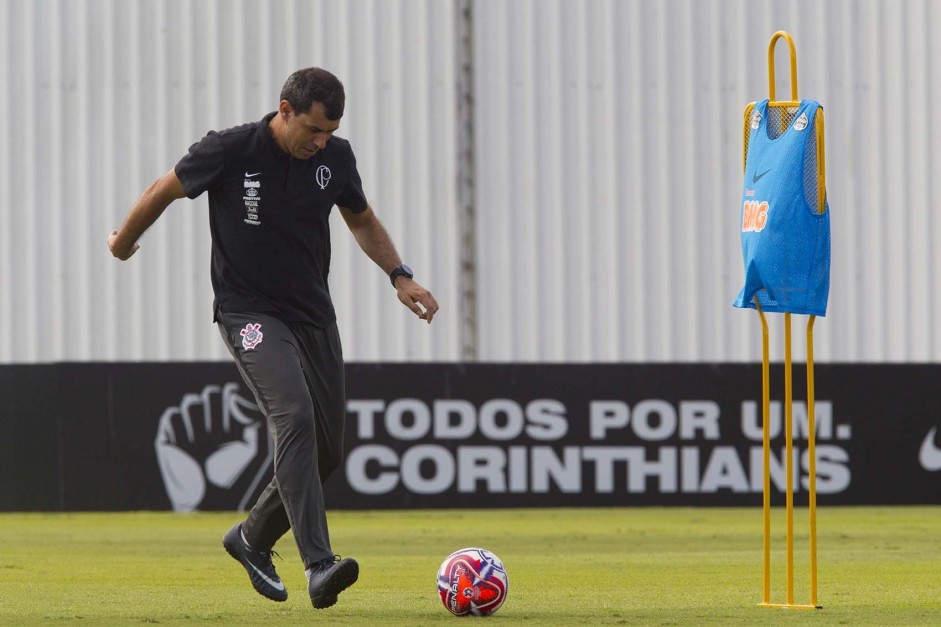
(277, 585)
(930, 454)
(755, 177)
(248, 176)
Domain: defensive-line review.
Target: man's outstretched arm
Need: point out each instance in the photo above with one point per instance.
(124, 242)
(373, 238)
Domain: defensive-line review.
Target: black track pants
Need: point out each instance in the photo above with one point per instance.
(296, 372)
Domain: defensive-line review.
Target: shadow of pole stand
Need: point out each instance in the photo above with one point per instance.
(786, 249)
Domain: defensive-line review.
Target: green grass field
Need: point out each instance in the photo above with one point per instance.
(878, 566)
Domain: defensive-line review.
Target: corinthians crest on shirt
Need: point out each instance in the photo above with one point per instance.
(251, 196)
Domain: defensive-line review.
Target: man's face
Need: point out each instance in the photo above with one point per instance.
(307, 133)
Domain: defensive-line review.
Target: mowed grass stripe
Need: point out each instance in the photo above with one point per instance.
(662, 566)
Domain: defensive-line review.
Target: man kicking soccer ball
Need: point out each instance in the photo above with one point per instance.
(272, 185)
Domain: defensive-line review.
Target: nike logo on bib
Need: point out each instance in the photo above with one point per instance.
(756, 177)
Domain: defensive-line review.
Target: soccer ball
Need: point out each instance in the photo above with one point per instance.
(472, 581)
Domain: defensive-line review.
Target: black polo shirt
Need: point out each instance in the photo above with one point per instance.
(269, 219)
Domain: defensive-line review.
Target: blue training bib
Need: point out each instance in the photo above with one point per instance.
(785, 242)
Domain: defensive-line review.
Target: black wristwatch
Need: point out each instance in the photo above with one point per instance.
(401, 270)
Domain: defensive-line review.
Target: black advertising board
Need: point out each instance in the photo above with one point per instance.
(185, 436)
(29, 438)
(615, 435)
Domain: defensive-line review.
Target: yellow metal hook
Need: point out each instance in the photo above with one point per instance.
(793, 51)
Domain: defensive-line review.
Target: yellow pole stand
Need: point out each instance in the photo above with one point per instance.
(812, 467)
(766, 454)
(788, 387)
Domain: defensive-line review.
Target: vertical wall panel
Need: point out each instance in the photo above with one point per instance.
(607, 173)
(932, 182)
(7, 253)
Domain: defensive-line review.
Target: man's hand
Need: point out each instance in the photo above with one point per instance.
(156, 198)
(416, 298)
(118, 249)
(375, 242)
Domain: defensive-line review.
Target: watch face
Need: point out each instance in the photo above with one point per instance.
(407, 270)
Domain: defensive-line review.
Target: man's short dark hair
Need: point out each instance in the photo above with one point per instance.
(305, 87)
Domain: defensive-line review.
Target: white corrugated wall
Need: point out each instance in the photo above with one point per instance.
(601, 159)
(101, 97)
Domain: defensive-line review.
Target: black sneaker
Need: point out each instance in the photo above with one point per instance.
(257, 563)
(329, 578)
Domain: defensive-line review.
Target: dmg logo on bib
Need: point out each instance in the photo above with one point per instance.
(754, 215)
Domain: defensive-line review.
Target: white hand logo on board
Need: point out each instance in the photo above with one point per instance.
(210, 451)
